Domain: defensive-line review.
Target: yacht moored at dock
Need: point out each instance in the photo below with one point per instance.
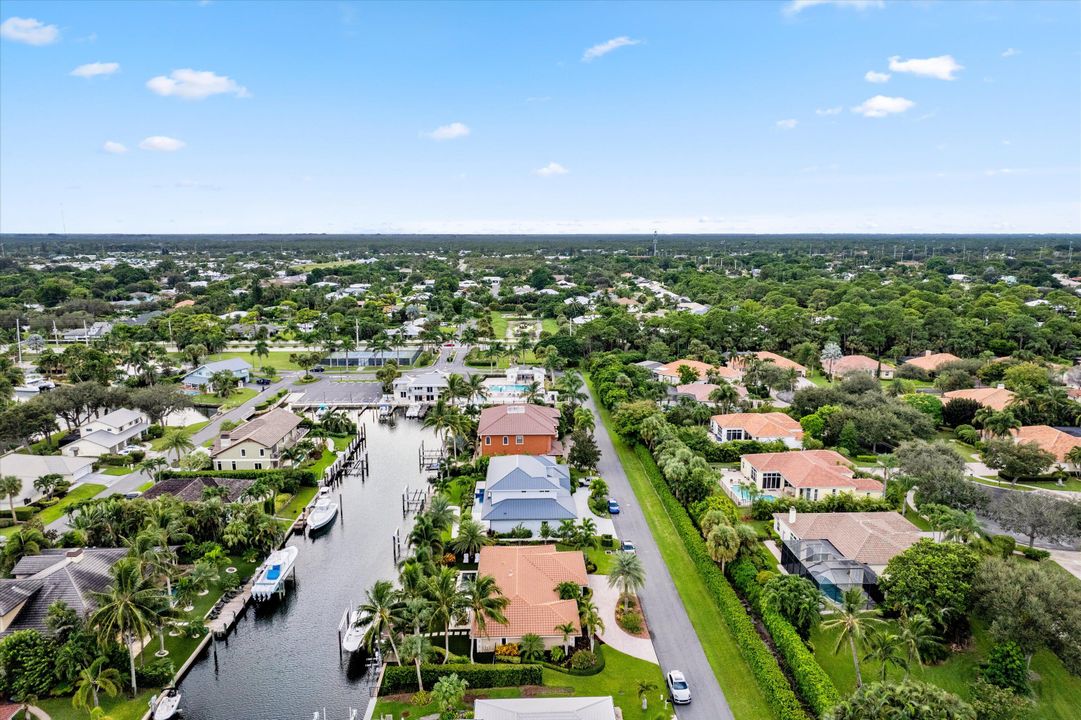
(354, 633)
(166, 705)
(323, 512)
(270, 580)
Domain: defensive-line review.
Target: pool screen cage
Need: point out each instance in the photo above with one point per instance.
(831, 572)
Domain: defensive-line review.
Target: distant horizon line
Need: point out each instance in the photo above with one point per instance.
(541, 235)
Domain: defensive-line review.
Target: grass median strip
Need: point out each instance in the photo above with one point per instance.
(744, 696)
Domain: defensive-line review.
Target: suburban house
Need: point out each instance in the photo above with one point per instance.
(528, 576)
(199, 378)
(1053, 440)
(191, 489)
(29, 468)
(996, 398)
(546, 708)
(838, 551)
(764, 427)
(513, 386)
(422, 388)
(931, 362)
(68, 574)
(739, 361)
(809, 474)
(258, 443)
(853, 364)
(669, 372)
(524, 490)
(519, 430)
(108, 434)
(701, 391)
(85, 334)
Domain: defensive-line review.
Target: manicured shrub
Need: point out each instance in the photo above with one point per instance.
(583, 660)
(1035, 553)
(967, 434)
(403, 678)
(1006, 667)
(1003, 545)
(842, 502)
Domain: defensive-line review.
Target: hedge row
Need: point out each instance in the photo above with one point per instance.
(815, 685)
(763, 509)
(304, 477)
(595, 670)
(768, 675)
(403, 678)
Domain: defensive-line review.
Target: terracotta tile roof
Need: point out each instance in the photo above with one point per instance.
(519, 420)
(1048, 438)
(267, 430)
(770, 424)
(812, 468)
(871, 538)
(766, 355)
(858, 363)
(931, 362)
(527, 576)
(672, 369)
(994, 398)
(700, 391)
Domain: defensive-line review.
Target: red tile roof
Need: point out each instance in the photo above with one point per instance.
(871, 538)
(769, 424)
(767, 356)
(527, 576)
(1048, 438)
(519, 420)
(994, 398)
(812, 468)
(858, 363)
(932, 361)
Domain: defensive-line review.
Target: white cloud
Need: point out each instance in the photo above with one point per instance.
(115, 148)
(882, 105)
(606, 47)
(161, 143)
(1005, 171)
(95, 68)
(195, 85)
(942, 67)
(449, 132)
(797, 6)
(876, 77)
(788, 124)
(1010, 52)
(551, 169)
(29, 31)
(829, 111)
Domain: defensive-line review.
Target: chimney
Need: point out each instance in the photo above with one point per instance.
(1000, 386)
(927, 353)
(791, 515)
(75, 555)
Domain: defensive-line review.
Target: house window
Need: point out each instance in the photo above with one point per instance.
(258, 466)
(261, 452)
(234, 464)
(243, 452)
(771, 481)
(487, 439)
(506, 440)
(519, 440)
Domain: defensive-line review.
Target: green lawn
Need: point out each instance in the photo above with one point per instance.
(549, 325)
(122, 707)
(298, 502)
(146, 486)
(1056, 690)
(319, 466)
(117, 470)
(404, 709)
(159, 443)
(733, 674)
(51, 514)
(238, 398)
(499, 324)
(341, 443)
(277, 359)
(601, 557)
(918, 520)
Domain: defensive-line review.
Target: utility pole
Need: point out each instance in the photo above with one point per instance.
(654, 243)
(19, 340)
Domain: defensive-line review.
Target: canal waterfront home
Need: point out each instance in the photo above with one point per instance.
(420, 388)
(546, 708)
(528, 577)
(258, 444)
(519, 429)
(199, 378)
(525, 490)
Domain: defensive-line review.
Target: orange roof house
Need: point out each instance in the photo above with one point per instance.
(1051, 439)
(765, 427)
(519, 430)
(767, 356)
(996, 398)
(930, 361)
(851, 364)
(184, 304)
(669, 372)
(809, 474)
(872, 538)
(527, 576)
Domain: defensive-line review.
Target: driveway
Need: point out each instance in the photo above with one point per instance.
(676, 643)
(606, 599)
(581, 505)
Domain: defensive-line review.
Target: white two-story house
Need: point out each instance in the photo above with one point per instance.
(108, 434)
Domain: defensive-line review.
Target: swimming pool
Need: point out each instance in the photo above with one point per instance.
(506, 389)
(745, 497)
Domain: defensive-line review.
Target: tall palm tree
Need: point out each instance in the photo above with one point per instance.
(534, 392)
(261, 349)
(724, 396)
(571, 388)
(478, 391)
(448, 603)
(177, 440)
(97, 678)
(567, 629)
(485, 601)
(457, 388)
(471, 537)
(916, 636)
(884, 647)
(722, 544)
(382, 612)
(590, 617)
(10, 486)
(154, 467)
(128, 609)
(627, 574)
(853, 621)
(416, 649)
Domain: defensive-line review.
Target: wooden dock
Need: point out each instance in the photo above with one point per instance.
(234, 609)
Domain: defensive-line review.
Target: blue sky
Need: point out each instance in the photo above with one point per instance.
(549, 117)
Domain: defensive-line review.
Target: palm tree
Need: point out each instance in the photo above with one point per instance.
(722, 544)
(477, 389)
(645, 687)
(585, 420)
(590, 617)
(194, 353)
(531, 647)
(627, 574)
(10, 486)
(128, 609)
(916, 635)
(485, 601)
(471, 537)
(534, 392)
(570, 389)
(177, 440)
(884, 648)
(1074, 456)
(724, 396)
(568, 629)
(448, 603)
(154, 467)
(97, 678)
(426, 535)
(853, 622)
(381, 611)
(261, 349)
(457, 388)
(416, 649)
(997, 424)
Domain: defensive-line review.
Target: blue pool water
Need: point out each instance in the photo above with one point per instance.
(508, 388)
(744, 496)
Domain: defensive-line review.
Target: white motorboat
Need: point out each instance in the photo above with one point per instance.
(273, 572)
(166, 705)
(323, 511)
(354, 633)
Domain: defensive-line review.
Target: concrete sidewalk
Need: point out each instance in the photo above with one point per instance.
(606, 599)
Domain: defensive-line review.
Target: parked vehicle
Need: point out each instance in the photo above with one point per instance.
(678, 689)
(262, 381)
(613, 507)
(628, 547)
(318, 369)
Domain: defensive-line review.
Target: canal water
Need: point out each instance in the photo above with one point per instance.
(282, 662)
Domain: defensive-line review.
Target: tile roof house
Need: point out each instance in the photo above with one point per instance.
(67, 574)
(996, 398)
(701, 391)
(519, 430)
(108, 434)
(809, 474)
(190, 489)
(852, 364)
(930, 361)
(766, 356)
(1053, 440)
(524, 490)
(764, 427)
(669, 372)
(528, 576)
(546, 708)
(258, 443)
(200, 376)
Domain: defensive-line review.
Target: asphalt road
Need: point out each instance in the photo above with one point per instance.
(674, 638)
